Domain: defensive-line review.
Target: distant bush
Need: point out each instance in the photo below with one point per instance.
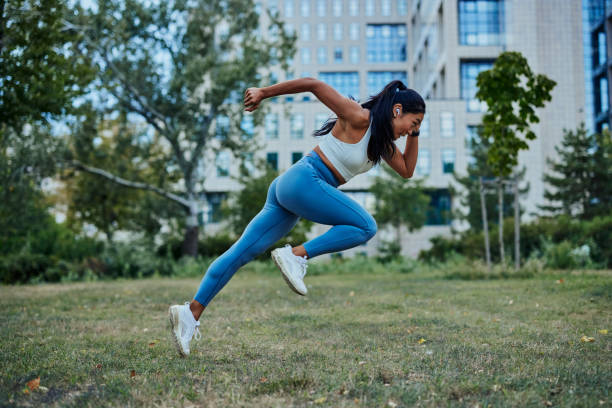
(476, 270)
(553, 239)
(208, 246)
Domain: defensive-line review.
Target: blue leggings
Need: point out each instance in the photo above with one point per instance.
(307, 189)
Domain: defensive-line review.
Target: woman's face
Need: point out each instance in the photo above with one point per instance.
(405, 123)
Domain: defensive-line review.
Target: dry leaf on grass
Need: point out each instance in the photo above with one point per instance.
(33, 384)
(603, 331)
(132, 373)
(586, 339)
(421, 340)
(320, 400)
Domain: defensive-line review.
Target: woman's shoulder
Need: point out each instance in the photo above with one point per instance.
(361, 121)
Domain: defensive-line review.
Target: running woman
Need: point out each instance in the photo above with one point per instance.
(356, 140)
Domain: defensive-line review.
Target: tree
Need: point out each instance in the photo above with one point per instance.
(243, 205)
(581, 182)
(399, 201)
(470, 192)
(511, 92)
(179, 66)
(113, 144)
(39, 75)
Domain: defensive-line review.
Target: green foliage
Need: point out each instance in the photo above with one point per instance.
(582, 179)
(476, 270)
(389, 251)
(208, 246)
(470, 193)
(399, 201)
(511, 92)
(39, 73)
(542, 239)
(113, 145)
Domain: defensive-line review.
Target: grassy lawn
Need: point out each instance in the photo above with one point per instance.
(383, 340)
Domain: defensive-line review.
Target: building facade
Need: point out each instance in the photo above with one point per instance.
(597, 26)
(437, 47)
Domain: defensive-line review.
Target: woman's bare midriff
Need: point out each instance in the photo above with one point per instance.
(329, 165)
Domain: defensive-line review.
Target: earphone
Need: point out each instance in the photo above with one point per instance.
(397, 110)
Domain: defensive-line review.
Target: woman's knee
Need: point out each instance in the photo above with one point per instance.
(371, 228)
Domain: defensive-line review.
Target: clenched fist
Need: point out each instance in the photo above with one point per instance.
(252, 98)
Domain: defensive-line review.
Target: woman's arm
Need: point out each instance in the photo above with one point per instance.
(343, 107)
(404, 164)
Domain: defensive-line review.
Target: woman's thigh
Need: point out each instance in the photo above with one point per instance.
(301, 191)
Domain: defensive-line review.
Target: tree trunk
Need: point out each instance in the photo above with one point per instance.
(190, 242)
(485, 225)
(500, 190)
(517, 228)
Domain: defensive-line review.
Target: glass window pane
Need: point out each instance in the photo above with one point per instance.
(447, 124)
(346, 83)
(386, 42)
(297, 126)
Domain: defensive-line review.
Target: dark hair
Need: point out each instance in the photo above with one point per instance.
(381, 143)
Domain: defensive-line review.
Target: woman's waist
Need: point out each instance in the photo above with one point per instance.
(317, 158)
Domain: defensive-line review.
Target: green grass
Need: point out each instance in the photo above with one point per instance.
(513, 342)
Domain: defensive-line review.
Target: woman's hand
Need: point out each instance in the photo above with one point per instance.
(252, 98)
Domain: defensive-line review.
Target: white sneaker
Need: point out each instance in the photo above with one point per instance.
(183, 326)
(293, 268)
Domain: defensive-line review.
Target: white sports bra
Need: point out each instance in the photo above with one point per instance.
(349, 159)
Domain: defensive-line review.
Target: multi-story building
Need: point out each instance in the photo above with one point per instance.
(437, 47)
(597, 26)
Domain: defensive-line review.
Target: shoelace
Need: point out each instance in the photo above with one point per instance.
(196, 333)
(303, 263)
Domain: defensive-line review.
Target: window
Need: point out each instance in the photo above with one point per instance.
(305, 56)
(353, 8)
(337, 8)
(214, 206)
(272, 159)
(354, 54)
(423, 163)
(369, 7)
(601, 48)
(320, 119)
(321, 55)
(386, 42)
(469, 72)
(447, 124)
(305, 32)
(481, 22)
(222, 162)
(321, 7)
(385, 7)
(354, 31)
(295, 156)
(338, 54)
(297, 126)
(321, 32)
(305, 8)
(347, 83)
(448, 161)
(247, 127)
(402, 7)
(222, 127)
(424, 128)
(378, 79)
(439, 212)
(271, 126)
(288, 8)
(603, 94)
(338, 31)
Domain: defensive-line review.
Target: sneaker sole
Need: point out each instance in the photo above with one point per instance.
(173, 318)
(278, 263)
